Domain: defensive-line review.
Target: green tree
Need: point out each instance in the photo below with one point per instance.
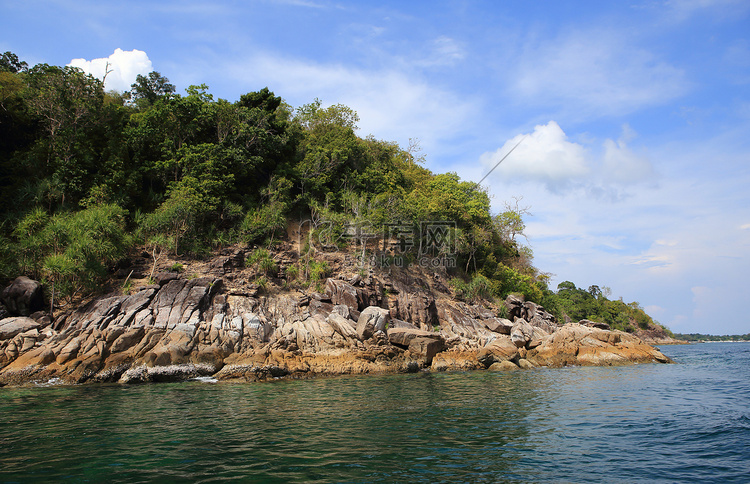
(67, 103)
(146, 90)
(9, 62)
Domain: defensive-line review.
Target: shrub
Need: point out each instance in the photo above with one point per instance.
(262, 261)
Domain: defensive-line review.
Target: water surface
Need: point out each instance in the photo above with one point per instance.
(688, 422)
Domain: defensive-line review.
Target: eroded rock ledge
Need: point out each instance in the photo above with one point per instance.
(397, 321)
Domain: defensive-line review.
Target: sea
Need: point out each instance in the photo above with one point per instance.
(675, 423)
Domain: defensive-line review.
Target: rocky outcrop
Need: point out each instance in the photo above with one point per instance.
(576, 344)
(394, 321)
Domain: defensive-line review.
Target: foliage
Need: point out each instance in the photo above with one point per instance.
(697, 337)
(72, 250)
(188, 173)
(479, 287)
(262, 261)
(592, 304)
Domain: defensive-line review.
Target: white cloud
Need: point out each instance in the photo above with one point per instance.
(545, 155)
(124, 67)
(621, 165)
(549, 157)
(598, 72)
(391, 105)
(444, 51)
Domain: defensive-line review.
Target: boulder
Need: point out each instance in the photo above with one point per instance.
(498, 350)
(23, 296)
(404, 336)
(372, 319)
(341, 292)
(426, 348)
(576, 344)
(342, 325)
(594, 324)
(503, 366)
(498, 325)
(10, 327)
(521, 333)
(411, 302)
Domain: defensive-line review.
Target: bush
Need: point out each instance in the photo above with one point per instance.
(317, 271)
(262, 261)
(72, 251)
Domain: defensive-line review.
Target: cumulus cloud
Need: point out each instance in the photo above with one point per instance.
(548, 156)
(123, 66)
(545, 155)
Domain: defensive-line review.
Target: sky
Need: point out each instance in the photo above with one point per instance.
(633, 117)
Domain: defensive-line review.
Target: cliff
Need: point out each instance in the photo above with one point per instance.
(213, 319)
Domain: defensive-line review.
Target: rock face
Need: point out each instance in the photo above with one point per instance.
(395, 321)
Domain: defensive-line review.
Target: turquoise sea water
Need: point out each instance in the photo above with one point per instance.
(688, 422)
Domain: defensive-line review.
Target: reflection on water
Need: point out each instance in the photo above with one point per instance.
(640, 423)
(423, 427)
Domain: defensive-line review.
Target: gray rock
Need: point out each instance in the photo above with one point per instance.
(23, 296)
(498, 325)
(341, 292)
(521, 333)
(372, 319)
(594, 324)
(342, 325)
(10, 327)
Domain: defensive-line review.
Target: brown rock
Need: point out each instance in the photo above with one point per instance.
(426, 348)
(575, 344)
(498, 350)
(404, 336)
(503, 366)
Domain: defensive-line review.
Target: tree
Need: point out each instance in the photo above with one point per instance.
(68, 103)
(146, 90)
(510, 223)
(313, 116)
(179, 217)
(9, 63)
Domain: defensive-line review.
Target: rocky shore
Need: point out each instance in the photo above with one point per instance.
(220, 325)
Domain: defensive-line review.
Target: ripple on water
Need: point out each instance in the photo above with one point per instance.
(649, 423)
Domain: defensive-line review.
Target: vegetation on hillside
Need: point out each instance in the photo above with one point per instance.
(697, 337)
(86, 175)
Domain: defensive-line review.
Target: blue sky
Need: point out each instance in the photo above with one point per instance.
(634, 116)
